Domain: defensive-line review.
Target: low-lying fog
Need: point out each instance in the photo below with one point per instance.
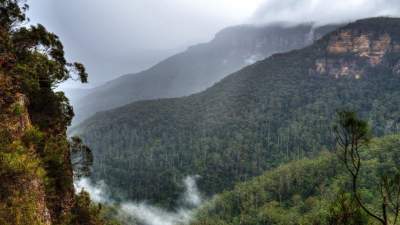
(142, 212)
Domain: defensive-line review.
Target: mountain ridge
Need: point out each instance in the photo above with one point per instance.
(270, 112)
(199, 66)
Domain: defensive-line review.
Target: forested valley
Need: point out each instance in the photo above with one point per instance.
(272, 112)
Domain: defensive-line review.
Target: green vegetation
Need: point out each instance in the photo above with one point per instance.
(18, 166)
(274, 111)
(352, 135)
(87, 213)
(308, 191)
(36, 179)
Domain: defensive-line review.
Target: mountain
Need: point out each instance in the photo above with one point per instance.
(308, 191)
(199, 66)
(270, 112)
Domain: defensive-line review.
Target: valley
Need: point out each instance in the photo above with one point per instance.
(277, 110)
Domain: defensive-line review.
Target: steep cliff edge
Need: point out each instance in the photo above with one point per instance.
(36, 176)
(23, 195)
(352, 50)
(35, 169)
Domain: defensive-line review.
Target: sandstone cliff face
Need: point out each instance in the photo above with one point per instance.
(15, 120)
(28, 188)
(367, 49)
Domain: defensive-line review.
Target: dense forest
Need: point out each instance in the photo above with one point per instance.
(307, 191)
(274, 111)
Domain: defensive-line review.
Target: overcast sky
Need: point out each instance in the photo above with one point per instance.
(116, 37)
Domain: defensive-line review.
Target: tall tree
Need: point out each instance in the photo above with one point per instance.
(352, 134)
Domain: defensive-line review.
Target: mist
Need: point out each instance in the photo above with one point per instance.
(323, 12)
(113, 38)
(143, 212)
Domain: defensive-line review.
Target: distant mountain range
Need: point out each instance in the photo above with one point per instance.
(198, 67)
(273, 111)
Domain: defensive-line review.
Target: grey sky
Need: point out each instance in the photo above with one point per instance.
(123, 36)
(324, 11)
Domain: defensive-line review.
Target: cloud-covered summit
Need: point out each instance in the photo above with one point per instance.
(322, 11)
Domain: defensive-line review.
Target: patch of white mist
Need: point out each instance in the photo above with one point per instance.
(192, 194)
(151, 215)
(143, 212)
(98, 191)
(252, 59)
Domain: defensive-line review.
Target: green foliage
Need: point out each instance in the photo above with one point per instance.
(35, 58)
(350, 124)
(18, 161)
(352, 135)
(32, 136)
(309, 191)
(87, 213)
(17, 167)
(35, 168)
(344, 210)
(17, 109)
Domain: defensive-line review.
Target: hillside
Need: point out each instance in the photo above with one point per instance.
(309, 191)
(276, 110)
(199, 66)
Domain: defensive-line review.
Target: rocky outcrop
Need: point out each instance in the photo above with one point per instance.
(16, 122)
(364, 45)
(368, 48)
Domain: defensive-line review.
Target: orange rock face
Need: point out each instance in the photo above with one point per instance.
(379, 49)
(366, 47)
(341, 43)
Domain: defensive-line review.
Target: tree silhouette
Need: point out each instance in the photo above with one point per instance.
(352, 134)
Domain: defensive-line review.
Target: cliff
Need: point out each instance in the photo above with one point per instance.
(351, 50)
(22, 182)
(36, 176)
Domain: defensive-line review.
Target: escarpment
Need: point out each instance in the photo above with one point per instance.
(349, 51)
(22, 184)
(35, 170)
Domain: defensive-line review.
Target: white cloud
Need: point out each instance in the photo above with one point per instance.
(323, 11)
(143, 212)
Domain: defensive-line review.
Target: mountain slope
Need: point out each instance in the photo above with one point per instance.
(309, 191)
(199, 66)
(267, 113)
